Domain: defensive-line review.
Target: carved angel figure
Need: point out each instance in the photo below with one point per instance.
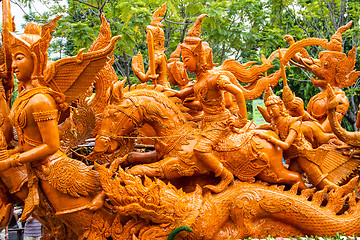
(325, 165)
(44, 91)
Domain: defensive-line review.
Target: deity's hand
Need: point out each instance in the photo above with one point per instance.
(232, 122)
(12, 161)
(236, 123)
(2, 71)
(263, 136)
(171, 92)
(153, 76)
(116, 163)
(333, 103)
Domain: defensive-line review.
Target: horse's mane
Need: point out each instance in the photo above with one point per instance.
(160, 98)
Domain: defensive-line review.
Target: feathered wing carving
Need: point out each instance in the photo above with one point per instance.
(104, 36)
(72, 177)
(76, 74)
(78, 127)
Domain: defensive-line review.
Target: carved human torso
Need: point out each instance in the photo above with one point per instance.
(317, 107)
(209, 95)
(161, 69)
(285, 125)
(32, 105)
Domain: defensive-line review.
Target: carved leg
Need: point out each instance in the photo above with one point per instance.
(140, 158)
(213, 164)
(328, 183)
(279, 174)
(150, 170)
(98, 201)
(316, 176)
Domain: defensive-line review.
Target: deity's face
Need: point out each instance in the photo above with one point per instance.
(189, 61)
(22, 64)
(274, 110)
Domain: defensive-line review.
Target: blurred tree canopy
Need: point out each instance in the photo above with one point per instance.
(239, 29)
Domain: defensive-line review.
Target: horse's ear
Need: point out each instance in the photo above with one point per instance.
(116, 92)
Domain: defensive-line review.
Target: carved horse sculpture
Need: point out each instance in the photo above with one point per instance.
(245, 154)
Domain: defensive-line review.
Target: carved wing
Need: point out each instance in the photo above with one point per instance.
(137, 64)
(75, 75)
(72, 177)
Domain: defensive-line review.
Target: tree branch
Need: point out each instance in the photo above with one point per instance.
(87, 4)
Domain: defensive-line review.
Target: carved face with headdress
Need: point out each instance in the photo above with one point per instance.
(29, 51)
(156, 28)
(335, 67)
(23, 61)
(193, 49)
(274, 104)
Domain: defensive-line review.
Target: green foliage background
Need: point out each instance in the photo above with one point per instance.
(239, 29)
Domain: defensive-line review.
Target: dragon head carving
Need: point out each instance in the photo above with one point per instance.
(154, 199)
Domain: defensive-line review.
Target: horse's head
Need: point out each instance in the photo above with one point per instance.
(119, 120)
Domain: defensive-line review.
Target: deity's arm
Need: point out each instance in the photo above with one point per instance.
(288, 141)
(51, 143)
(183, 93)
(293, 133)
(228, 100)
(44, 111)
(6, 126)
(224, 83)
(145, 77)
(140, 75)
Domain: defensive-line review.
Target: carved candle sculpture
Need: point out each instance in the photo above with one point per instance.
(211, 175)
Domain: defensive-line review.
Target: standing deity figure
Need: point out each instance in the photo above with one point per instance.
(334, 68)
(292, 140)
(209, 90)
(157, 59)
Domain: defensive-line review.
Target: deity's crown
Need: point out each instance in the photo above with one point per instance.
(270, 98)
(32, 34)
(193, 42)
(287, 95)
(193, 35)
(156, 26)
(35, 40)
(336, 41)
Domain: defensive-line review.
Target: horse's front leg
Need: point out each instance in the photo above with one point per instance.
(150, 170)
(135, 158)
(167, 168)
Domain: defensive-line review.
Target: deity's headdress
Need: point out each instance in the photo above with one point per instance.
(193, 42)
(270, 98)
(336, 41)
(156, 27)
(344, 65)
(35, 41)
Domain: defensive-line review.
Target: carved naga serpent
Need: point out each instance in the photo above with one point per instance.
(243, 210)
